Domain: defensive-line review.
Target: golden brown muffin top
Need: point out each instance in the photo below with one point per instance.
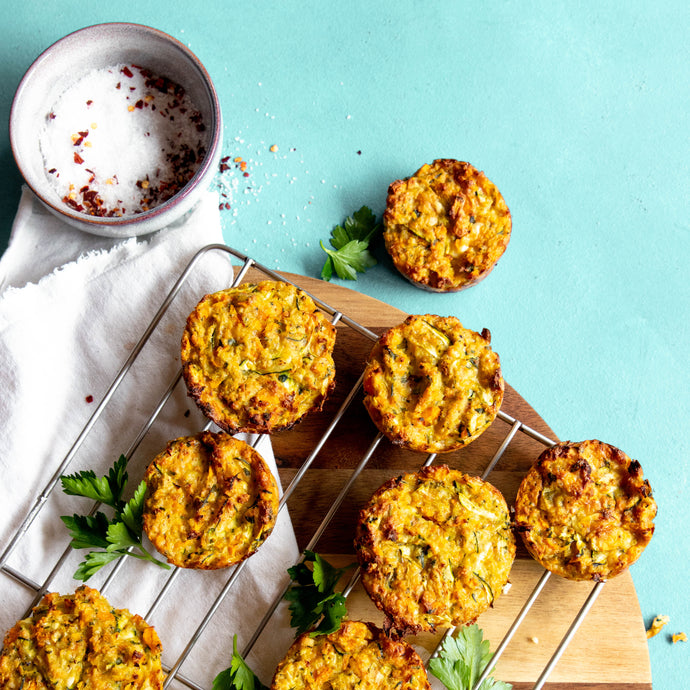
(211, 501)
(446, 226)
(358, 655)
(584, 510)
(435, 548)
(432, 385)
(79, 641)
(258, 357)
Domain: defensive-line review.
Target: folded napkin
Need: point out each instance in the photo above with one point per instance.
(72, 308)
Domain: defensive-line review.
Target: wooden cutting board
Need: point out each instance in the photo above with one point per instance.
(608, 651)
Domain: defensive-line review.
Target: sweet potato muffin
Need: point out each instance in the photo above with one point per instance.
(432, 385)
(435, 548)
(584, 510)
(258, 357)
(358, 655)
(80, 641)
(446, 226)
(211, 501)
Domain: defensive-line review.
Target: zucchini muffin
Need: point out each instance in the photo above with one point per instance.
(446, 226)
(431, 385)
(584, 510)
(358, 655)
(435, 548)
(258, 357)
(211, 501)
(79, 641)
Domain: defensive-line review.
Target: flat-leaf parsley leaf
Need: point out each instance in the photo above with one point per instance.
(462, 659)
(119, 536)
(350, 241)
(313, 597)
(239, 676)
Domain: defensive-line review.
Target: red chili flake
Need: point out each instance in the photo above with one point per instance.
(77, 142)
(89, 398)
(72, 203)
(89, 102)
(126, 71)
(227, 206)
(139, 104)
(117, 86)
(52, 171)
(359, 153)
(84, 133)
(51, 115)
(224, 167)
(78, 159)
(245, 174)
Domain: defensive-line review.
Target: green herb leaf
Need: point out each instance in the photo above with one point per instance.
(87, 531)
(133, 511)
(325, 576)
(361, 225)
(350, 254)
(314, 603)
(120, 538)
(93, 562)
(110, 538)
(462, 659)
(239, 676)
(333, 610)
(106, 489)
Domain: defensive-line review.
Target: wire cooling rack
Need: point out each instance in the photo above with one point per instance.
(514, 427)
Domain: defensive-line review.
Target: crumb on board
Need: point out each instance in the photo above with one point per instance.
(679, 637)
(533, 640)
(657, 624)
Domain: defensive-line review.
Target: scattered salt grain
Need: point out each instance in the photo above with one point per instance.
(120, 141)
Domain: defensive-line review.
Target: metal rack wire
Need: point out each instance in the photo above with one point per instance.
(515, 426)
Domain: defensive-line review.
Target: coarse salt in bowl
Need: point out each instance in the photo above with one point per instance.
(117, 129)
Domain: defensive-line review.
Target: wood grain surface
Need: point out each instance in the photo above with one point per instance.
(609, 649)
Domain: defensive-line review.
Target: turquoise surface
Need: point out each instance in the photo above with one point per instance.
(577, 111)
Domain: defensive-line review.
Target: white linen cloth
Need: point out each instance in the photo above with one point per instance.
(72, 308)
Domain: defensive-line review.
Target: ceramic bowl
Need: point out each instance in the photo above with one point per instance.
(100, 47)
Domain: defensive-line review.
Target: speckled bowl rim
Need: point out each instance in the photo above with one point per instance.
(150, 220)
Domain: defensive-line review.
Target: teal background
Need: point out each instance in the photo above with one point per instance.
(577, 111)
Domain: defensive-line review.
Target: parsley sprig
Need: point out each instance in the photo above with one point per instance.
(112, 538)
(350, 241)
(238, 676)
(462, 659)
(313, 597)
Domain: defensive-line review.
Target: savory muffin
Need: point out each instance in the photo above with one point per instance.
(80, 641)
(432, 385)
(435, 548)
(358, 655)
(584, 510)
(258, 357)
(211, 501)
(446, 226)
